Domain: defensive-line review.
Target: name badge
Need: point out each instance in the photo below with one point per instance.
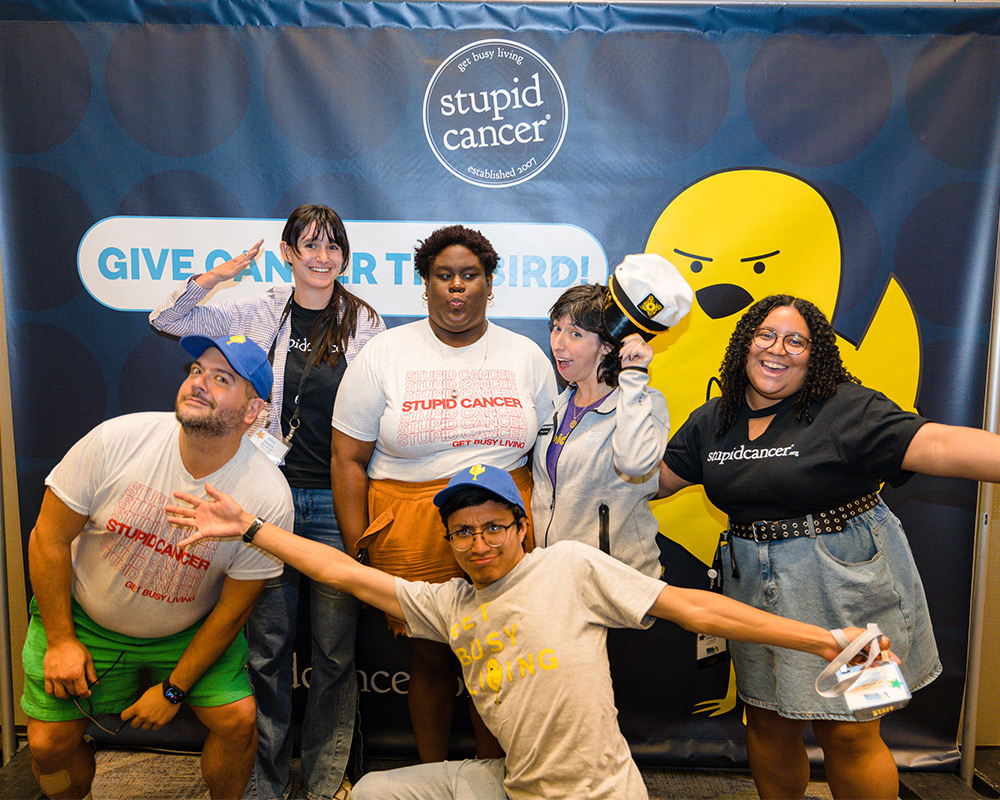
(879, 689)
(710, 649)
(274, 449)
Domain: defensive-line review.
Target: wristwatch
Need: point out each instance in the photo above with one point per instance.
(174, 694)
(252, 530)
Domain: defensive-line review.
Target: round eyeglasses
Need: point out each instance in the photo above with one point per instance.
(493, 534)
(794, 343)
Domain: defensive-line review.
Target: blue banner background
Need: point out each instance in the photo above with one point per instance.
(246, 109)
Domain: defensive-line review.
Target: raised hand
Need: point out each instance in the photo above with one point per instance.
(218, 517)
(228, 269)
(635, 352)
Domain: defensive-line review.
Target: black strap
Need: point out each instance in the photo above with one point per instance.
(603, 537)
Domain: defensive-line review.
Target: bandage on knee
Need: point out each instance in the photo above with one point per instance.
(55, 782)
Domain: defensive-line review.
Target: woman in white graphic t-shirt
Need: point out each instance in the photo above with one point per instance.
(422, 402)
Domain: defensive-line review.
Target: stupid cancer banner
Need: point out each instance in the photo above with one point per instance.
(842, 152)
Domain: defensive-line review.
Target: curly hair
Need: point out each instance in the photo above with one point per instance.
(825, 369)
(585, 306)
(431, 247)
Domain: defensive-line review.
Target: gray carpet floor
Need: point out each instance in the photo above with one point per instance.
(140, 775)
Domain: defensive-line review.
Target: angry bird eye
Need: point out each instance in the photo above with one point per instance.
(696, 266)
(758, 267)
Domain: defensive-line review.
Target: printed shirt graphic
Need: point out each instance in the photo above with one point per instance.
(857, 439)
(444, 408)
(533, 652)
(128, 573)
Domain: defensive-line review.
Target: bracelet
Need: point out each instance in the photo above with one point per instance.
(252, 530)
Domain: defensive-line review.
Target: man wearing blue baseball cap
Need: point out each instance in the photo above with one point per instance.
(114, 593)
(530, 632)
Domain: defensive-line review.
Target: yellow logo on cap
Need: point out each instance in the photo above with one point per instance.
(476, 471)
(651, 306)
(238, 338)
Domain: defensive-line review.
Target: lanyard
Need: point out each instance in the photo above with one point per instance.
(870, 639)
(293, 423)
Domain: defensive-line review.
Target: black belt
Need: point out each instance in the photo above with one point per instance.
(832, 521)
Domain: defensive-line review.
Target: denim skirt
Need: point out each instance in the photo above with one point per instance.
(863, 574)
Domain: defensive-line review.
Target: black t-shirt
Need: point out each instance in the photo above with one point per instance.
(307, 465)
(857, 440)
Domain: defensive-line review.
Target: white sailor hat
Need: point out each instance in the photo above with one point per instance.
(647, 295)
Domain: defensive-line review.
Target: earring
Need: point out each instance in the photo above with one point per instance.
(489, 300)
(425, 299)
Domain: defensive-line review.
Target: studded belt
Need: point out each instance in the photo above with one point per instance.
(832, 521)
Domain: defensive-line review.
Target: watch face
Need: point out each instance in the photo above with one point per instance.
(172, 693)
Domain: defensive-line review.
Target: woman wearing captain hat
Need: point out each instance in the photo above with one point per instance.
(596, 458)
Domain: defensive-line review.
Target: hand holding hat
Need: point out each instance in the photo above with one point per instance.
(647, 296)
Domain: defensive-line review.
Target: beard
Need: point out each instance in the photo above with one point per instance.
(217, 422)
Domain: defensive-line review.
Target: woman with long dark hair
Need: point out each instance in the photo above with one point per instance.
(312, 331)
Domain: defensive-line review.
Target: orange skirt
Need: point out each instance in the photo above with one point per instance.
(406, 535)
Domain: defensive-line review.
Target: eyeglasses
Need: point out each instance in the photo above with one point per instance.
(493, 534)
(793, 343)
(88, 712)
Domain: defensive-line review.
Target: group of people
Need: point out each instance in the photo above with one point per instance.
(501, 527)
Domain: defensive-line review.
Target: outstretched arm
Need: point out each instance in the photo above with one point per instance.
(221, 517)
(951, 451)
(710, 612)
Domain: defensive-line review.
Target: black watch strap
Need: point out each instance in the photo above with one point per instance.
(174, 694)
(252, 530)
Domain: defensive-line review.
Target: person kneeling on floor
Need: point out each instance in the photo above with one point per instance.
(529, 631)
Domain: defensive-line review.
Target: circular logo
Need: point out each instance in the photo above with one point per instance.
(495, 113)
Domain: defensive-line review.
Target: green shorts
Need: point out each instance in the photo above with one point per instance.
(224, 682)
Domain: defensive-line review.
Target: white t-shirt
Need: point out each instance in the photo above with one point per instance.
(128, 574)
(432, 409)
(533, 649)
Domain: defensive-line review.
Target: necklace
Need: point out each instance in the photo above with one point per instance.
(577, 413)
(486, 351)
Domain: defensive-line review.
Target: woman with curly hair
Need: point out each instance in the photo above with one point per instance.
(420, 403)
(595, 462)
(794, 452)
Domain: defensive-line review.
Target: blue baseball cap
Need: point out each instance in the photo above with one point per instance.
(244, 355)
(492, 479)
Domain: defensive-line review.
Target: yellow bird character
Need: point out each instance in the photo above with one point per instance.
(738, 236)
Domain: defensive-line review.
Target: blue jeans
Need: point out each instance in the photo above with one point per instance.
(332, 701)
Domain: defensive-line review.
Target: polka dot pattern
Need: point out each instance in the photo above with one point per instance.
(953, 98)
(35, 86)
(336, 94)
(818, 97)
(44, 228)
(56, 407)
(161, 84)
(655, 110)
